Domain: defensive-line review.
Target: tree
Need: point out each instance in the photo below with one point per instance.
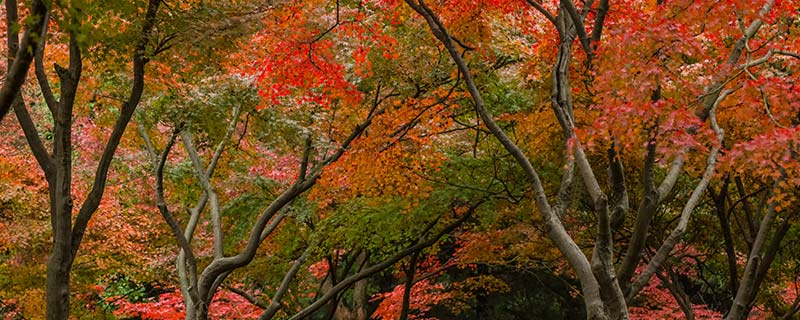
(336, 110)
(449, 158)
(607, 291)
(57, 163)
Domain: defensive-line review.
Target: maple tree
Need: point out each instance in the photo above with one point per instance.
(606, 288)
(439, 159)
(57, 163)
(335, 96)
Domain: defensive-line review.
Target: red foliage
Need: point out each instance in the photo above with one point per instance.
(659, 303)
(226, 305)
(424, 295)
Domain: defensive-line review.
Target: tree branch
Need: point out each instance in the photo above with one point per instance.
(203, 175)
(743, 302)
(617, 175)
(18, 70)
(555, 228)
(644, 215)
(177, 231)
(599, 21)
(347, 282)
(247, 296)
(713, 92)
(89, 207)
(580, 30)
(675, 236)
(41, 75)
(538, 6)
(43, 158)
(221, 265)
(199, 173)
(275, 302)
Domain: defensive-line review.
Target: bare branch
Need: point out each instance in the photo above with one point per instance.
(580, 30)
(565, 189)
(247, 296)
(742, 301)
(148, 143)
(41, 75)
(617, 175)
(203, 175)
(713, 91)
(237, 111)
(644, 215)
(599, 21)
(32, 136)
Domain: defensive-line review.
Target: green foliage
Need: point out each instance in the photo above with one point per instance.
(122, 287)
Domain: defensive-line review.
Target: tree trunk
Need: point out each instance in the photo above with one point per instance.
(748, 287)
(57, 288)
(721, 209)
(199, 311)
(410, 272)
(360, 298)
(190, 312)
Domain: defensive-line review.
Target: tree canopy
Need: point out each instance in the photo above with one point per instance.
(387, 159)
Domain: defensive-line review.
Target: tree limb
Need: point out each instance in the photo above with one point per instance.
(677, 234)
(18, 70)
(177, 231)
(555, 228)
(275, 302)
(347, 282)
(89, 207)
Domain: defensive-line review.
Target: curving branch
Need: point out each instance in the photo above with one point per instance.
(539, 7)
(714, 90)
(759, 258)
(177, 231)
(665, 188)
(350, 280)
(247, 296)
(555, 228)
(41, 75)
(18, 69)
(222, 265)
(677, 234)
(140, 58)
(617, 176)
(580, 30)
(565, 188)
(646, 211)
(599, 22)
(40, 152)
(275, 303)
